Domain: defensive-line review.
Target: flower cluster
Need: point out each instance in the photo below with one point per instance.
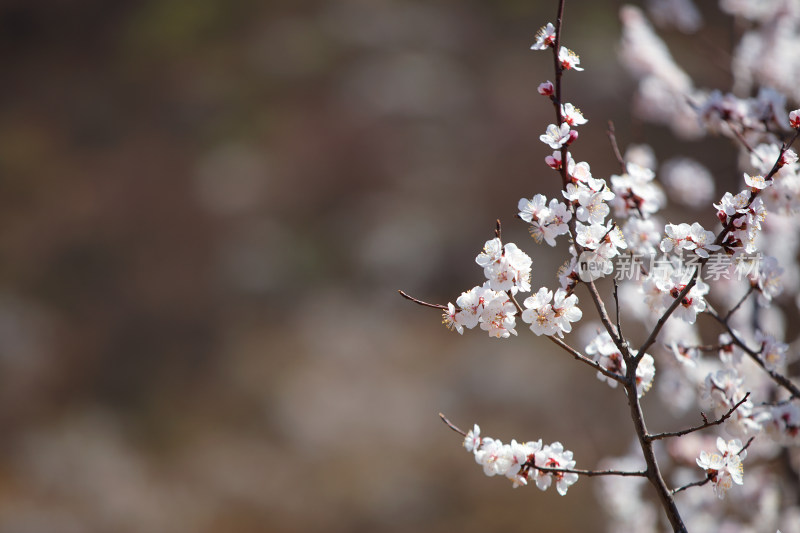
(726, 469)
(492, 310)
(742, 214)
(546, 221)
(692, 238)
(606, 353)
(508, 271)
(507, 268)
(665, 284)
(520, 462)
(548, 318)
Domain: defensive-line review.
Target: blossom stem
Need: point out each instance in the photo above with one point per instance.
(515, 302)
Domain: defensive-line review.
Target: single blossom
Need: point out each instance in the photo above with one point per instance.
(569, 59)
(756, 182)
(545, 37)
(556, 136)
(572, 115)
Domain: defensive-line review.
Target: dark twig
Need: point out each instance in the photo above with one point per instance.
(612, 136)
(582, 358)
(616, 303)
(689, 485)
(668, 313)
(755, 355)
(515, 302)
(736, 307)
(604, 318)
(591, 473)
(704, 425)
(740, 136)
(749, 442)
(420, 302)
(452, 426)
(559, 71)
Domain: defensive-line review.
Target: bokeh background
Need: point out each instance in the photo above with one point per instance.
(206, 210)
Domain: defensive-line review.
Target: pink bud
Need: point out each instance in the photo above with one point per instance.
(552, 162)
(573, 134)
(546, 88)
(794, 119)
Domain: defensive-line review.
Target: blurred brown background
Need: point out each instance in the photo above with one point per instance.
(207, 207)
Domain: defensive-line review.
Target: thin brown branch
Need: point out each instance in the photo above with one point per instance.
(689, 485)
(616, 304)
(704, 425)
(612, 136)
(582, 358)
(648, 451)
(755, 355)
(604, 318)
(668, 313)
(740, 136)
(515, 302)
(739, 303)
(591, 473)
(420, 302)
(452, 426)
(749, 442)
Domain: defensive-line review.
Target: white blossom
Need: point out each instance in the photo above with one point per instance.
(725, 469)
(545, 37)
(556, 136)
